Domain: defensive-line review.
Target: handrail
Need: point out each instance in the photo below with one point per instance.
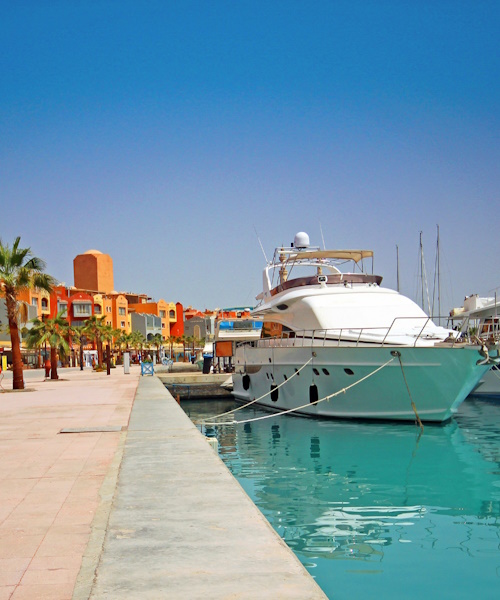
(427, 319)
(346, 335)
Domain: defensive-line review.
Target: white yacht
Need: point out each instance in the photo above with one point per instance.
(480, 318)
(337, 344)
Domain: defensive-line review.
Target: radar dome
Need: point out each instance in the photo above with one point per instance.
(301, 240)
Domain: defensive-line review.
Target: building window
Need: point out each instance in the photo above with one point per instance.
(98, 309)
(122, 323)
(121, 310)
(82, 310)
(108, 309)
(163, 325)
(34, 301)
(172, 314)
(163, 313)
(62, 307)
(45, 303)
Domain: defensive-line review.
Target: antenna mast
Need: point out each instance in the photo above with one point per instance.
(261, 246)
(321, 230)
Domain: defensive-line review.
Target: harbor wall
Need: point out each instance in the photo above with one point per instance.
(181, 526)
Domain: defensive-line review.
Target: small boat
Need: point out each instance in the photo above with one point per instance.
(337, 344)
(479, 318)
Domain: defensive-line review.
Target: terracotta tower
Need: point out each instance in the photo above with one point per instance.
(93, 271)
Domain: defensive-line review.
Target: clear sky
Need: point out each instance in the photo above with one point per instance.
(166, 133)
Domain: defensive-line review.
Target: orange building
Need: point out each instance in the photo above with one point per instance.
(39, 299)
(191, 312)
(94, 294)
(93, 271)
(114, 307)
(177, 326)
(119, 313)
(166, 311)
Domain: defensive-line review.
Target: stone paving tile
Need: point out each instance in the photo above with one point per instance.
(50, 482)
(63, 591)
(12, 570)
(6, 508)
(6, 591)
(52, 570)
(16, 490)
(16, 545)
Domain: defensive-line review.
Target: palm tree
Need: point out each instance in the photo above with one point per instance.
(55, 332)
(19, 270)
(176, 340)
(200, 343)
(77, 336)
(137, 340)
(122, 341)
(183, 340)
(109, 334)
(189, 340)
(94, 327)
(158, 342)
(170, 341)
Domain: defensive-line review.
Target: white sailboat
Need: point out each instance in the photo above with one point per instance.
(337, 344)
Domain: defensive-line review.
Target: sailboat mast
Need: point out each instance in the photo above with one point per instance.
(422, 269)
(397, 267)
(438, 278)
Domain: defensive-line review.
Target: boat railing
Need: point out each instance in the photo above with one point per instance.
(487, 331)
(354, 336)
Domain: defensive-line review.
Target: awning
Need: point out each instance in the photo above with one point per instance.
(355, 255)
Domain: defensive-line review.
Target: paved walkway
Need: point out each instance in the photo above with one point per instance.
(147, 513)
(49, 481)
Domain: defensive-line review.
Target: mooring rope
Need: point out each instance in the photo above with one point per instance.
(291, 410)
(255, 399)
(398, 354)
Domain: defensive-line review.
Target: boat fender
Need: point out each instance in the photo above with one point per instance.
(246, 381)
(274, 392)
(313, 393)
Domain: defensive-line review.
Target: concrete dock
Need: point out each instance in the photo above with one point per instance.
(130, 502)
(193, 385)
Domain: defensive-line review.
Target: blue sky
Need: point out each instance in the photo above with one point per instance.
(167, 133)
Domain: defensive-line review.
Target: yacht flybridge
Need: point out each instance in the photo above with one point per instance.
(336, 344)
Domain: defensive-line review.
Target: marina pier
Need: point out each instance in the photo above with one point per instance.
(110, 491)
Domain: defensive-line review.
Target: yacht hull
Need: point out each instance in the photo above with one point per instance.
(436, 379)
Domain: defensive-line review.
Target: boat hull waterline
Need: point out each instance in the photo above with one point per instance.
(437, 380)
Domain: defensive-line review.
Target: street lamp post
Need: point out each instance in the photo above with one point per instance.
(108, 360)
(83, 341)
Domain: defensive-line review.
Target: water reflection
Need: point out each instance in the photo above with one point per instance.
(377, 499)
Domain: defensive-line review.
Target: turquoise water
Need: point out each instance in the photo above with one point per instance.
(375, 510)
